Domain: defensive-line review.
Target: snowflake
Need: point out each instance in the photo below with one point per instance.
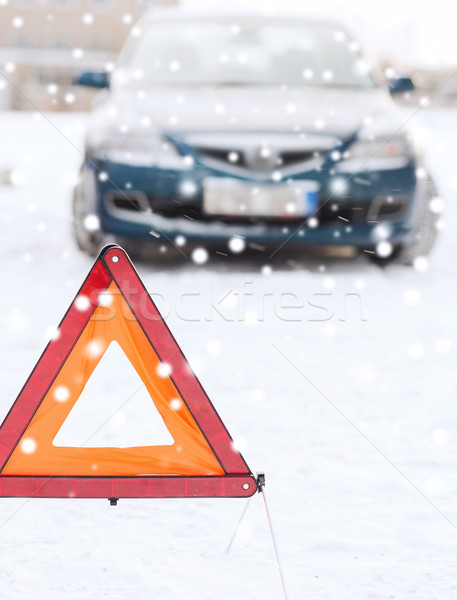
(421, 264)
(94, 348)
(164, 370)
(175, 403)
(61, 393)
(236, 245)
(308, 74)
(28, 445)
(384, 249)
(82, 303)
(200, 256)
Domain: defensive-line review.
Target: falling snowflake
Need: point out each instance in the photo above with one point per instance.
(312, 222)
(61, 393)
(82, 303)
(164, 370)
(436, 205)
(200, 256)
(91, 222)
(384, 249)
(17, 177)
(53, 88)
(105, 299)
(421, 264)
(94, 348)
(52, 333)
(236, 244)
(28, 445)
(180, 240)
(327, 75)
(276, 175)
(188, 188)
(328, 283)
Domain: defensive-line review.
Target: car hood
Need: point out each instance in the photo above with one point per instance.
(339, 112)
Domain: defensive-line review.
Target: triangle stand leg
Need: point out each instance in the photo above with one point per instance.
(243, 514)
(261, 484)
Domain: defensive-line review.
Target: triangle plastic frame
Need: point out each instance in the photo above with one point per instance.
(113, 265)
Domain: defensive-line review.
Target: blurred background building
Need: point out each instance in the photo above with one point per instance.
(45, 43)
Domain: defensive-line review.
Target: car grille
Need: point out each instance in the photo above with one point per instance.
(258, 153)
(240, 158)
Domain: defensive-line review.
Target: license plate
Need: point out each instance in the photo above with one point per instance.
(231, 197)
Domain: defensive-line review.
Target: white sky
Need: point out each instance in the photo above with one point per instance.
(412, 32)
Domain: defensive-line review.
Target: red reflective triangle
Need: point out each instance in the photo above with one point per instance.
(113, 305)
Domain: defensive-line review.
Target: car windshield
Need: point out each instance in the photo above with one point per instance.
(230, 54)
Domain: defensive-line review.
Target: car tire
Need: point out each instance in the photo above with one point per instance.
(424, 232)
(425, 229)
(88, 241)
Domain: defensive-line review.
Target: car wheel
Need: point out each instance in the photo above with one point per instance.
(89, 241)
(425, 229)
(424, 232)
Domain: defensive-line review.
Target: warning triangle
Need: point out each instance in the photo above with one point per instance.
(114, 310)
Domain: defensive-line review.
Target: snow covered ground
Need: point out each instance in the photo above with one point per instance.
(348, 408)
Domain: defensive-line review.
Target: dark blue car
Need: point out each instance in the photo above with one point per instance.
(237, 132)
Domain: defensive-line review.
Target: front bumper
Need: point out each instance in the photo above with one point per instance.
(150, 203)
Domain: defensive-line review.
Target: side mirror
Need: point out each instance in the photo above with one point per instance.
(94, 79)
(400, 85)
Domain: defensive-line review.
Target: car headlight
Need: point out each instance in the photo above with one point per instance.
(138, 149)
(377, 154)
